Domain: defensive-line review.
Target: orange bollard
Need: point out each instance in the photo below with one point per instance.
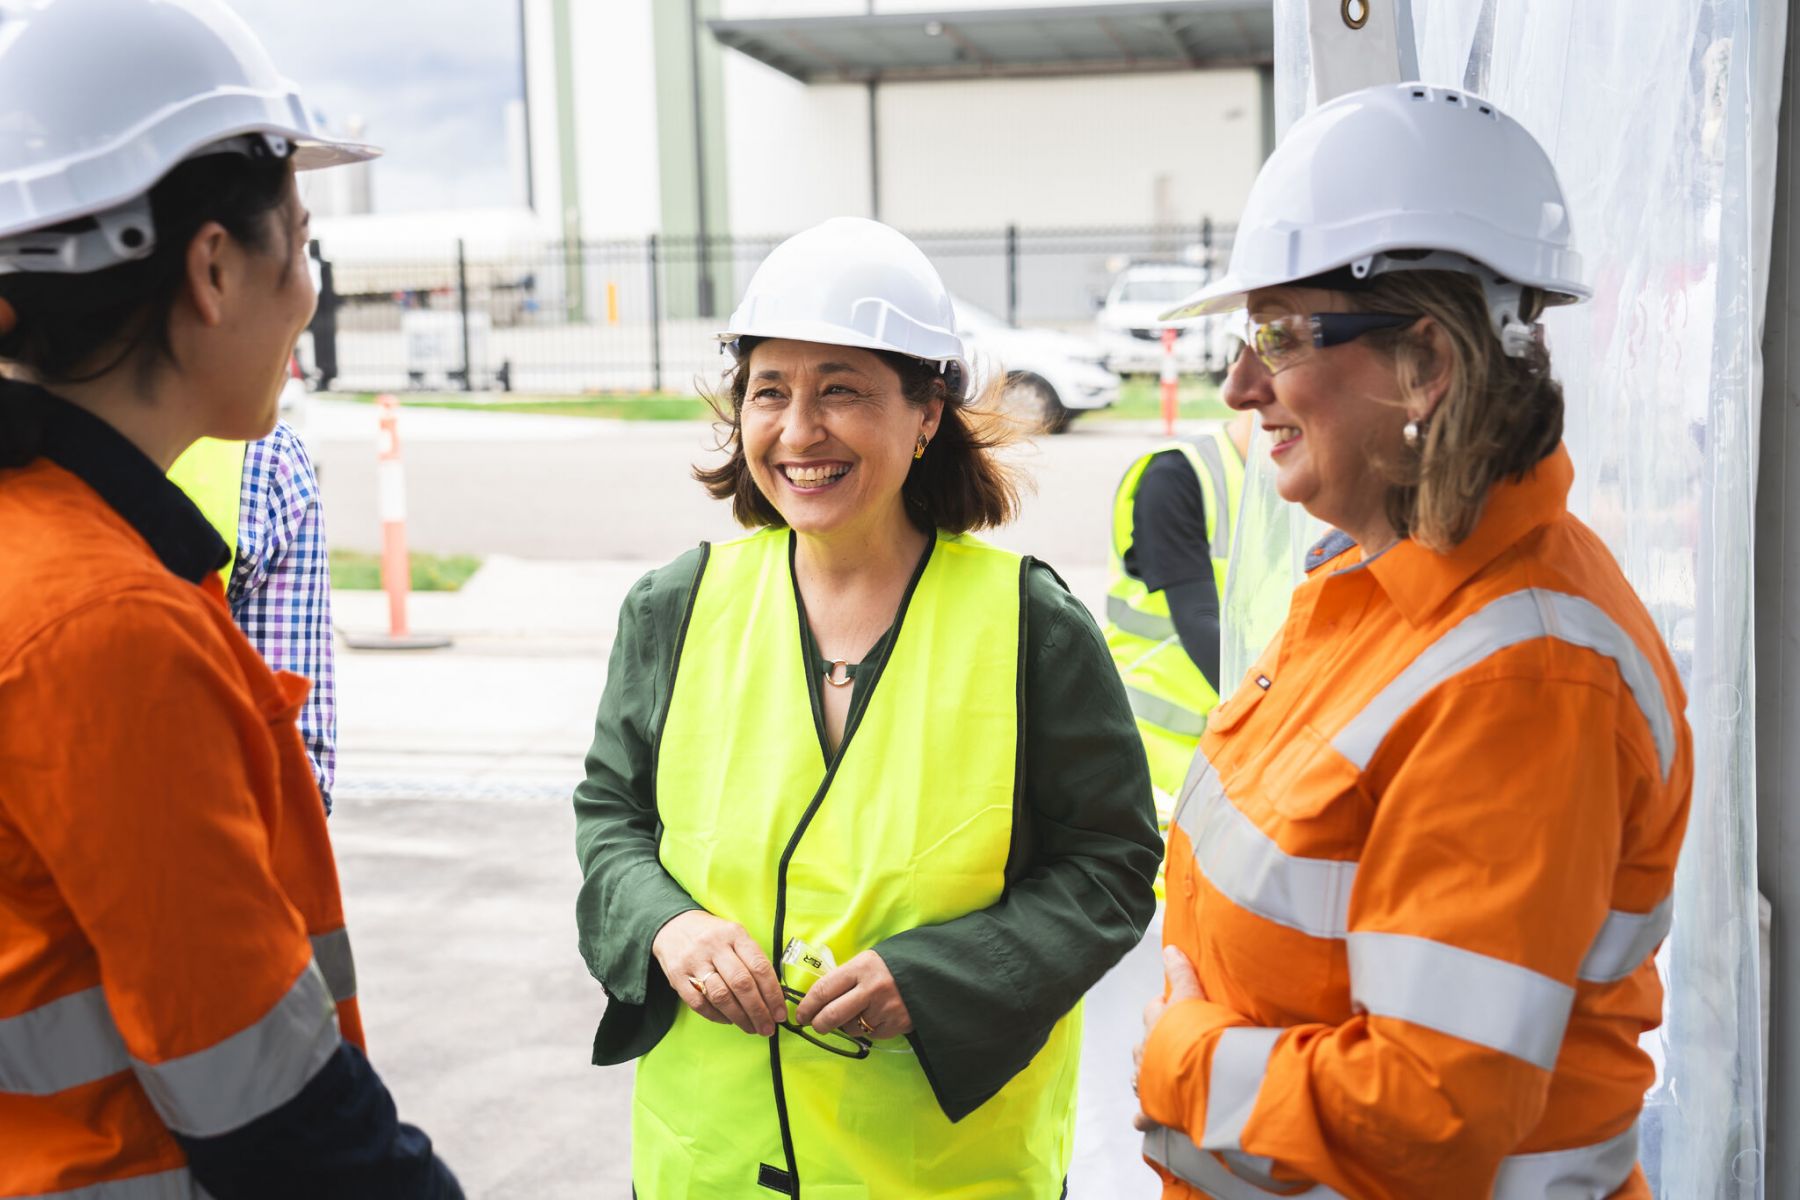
(396, 569)
(1169, 382)
(390, 479)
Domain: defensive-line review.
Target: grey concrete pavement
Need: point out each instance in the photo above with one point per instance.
(453, 827)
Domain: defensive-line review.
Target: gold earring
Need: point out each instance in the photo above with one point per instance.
(919, 450)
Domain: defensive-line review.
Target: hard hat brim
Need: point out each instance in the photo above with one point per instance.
(310, 154)
(1222, 295)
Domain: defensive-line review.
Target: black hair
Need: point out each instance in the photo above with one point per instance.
(75, 328)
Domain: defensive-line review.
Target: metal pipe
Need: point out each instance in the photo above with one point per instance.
(705, 282)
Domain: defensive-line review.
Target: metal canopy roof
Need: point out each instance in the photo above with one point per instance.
(1001, 42)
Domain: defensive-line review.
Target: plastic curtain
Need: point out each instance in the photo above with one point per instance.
(1661, 118)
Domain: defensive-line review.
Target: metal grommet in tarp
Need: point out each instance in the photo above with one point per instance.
(1356, 13)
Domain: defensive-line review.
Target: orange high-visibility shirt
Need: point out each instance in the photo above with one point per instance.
(1422, 865)
(172, 946)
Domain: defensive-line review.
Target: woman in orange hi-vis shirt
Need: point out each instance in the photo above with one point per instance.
(1423, 860)
(178, 1004)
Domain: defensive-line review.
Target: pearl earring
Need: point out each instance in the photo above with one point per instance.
(1411, 434)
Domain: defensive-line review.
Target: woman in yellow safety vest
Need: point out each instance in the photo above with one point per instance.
(866, 811)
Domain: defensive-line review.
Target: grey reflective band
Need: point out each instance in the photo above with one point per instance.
(1597, 1170)
(1483, 1000)
(1514, 618)
(1585, 1171)
(1214, 458)
(332, 952)
(163, 1185)
(1165, 714)
(60, 1045)
(1240, 1059)
(252, 1072)
(1626, 941)
(1311, 895)
(1175, 1153)
(1148, 626)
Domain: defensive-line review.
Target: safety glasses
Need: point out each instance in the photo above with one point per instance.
(837, 1041)
(1290, 339)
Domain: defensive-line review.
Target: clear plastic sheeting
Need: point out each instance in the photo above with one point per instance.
(1661, 118)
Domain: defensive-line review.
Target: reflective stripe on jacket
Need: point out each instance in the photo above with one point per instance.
(1169, 696)
(909, 825)
(1422, 865)
(174, 951)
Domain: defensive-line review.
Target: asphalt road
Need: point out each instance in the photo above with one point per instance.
(569, 488)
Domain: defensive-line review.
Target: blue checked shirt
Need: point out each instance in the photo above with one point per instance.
(280, 590)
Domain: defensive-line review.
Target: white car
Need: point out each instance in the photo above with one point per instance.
(1051, 376)
(1131, 330)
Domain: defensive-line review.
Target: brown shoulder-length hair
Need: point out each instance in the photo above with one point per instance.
(960, 484)
(1499, 418)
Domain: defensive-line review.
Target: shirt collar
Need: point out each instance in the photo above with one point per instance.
(1418, 580)
(122, 475)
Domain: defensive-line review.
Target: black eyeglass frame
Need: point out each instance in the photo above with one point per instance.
(1328, 329)
(861, 1046)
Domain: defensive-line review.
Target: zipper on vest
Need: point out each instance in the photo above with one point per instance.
(858, 706)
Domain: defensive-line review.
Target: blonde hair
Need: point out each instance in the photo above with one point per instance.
(1498, 418)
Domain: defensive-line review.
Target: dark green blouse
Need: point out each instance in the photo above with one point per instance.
(983, 990)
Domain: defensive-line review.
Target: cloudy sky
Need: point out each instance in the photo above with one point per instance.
(431, 79)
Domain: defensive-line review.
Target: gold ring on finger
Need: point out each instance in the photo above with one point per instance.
(700, 983)
(863, 1024)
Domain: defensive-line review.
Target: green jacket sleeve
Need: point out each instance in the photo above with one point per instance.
(985, 989)
(626, 896)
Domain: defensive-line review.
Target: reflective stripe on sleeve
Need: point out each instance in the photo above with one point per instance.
(332, 952)
(1239, 1061)
(63, 1044)
(1165, 714)
(1311, 895)
(1484, 1000)
(163, 1185)
(1214, 458)
(1177, 1154)
(1597, 1170)
(1514, 618)
(252, 1072)
(1625, 941)
(1148, 626)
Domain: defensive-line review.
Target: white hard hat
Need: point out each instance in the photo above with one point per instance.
(1404, 177)
(99, 99)
(853, 282)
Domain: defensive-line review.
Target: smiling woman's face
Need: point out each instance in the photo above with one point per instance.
(828, 435)
(1331, 419)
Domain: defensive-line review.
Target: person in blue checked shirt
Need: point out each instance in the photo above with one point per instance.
(263, 498)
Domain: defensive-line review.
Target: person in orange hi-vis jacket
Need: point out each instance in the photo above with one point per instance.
(1423, 860)
(178, 1011)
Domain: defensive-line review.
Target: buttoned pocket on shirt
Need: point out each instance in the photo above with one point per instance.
(1311, 782)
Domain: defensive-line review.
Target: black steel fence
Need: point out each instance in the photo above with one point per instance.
(639, 314)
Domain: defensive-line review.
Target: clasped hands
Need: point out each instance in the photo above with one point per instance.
(1183, 984)
(720, 972)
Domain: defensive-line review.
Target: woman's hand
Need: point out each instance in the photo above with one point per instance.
(860, 998)
(720, 972)
(1184, 984)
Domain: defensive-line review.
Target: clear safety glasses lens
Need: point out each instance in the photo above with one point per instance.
(1286, 340)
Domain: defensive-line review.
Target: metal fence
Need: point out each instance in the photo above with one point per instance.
(639, 314)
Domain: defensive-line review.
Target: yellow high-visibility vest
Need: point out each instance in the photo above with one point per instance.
(909, 826)
(1169, 696)
(211, 472)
